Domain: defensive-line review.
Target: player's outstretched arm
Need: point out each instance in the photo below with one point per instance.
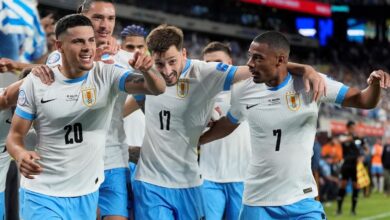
(312, 79)
(15, 147)
(150, 82)
(221, 128)
(10, 96)
(369, 97)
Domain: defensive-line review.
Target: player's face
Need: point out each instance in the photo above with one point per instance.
(133, 44)
(217, 56)
(77, 47)
(170, 64)
(262, 63)
(102, 15)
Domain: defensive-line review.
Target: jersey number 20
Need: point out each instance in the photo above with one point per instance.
(77, 133)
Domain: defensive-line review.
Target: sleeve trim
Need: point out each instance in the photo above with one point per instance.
(231, 118)
(24, 114)
(122, 81)
(139, 97)
(341, 95)
(229, 78)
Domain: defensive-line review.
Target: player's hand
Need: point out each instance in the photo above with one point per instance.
(106, 50)
(27, 164)
(316, 83)
(45, 74)
(379, 77)
(7, 65)
(141, 62)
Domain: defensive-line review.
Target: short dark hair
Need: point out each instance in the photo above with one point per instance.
(164, 36)
(133, 30)
(70, 21)
(274, 40)
(86, 5)
(217, 46)
(350, 124)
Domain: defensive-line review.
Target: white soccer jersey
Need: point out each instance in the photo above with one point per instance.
(135, 128)
(226, 160)
(282, 123)
(116, 153)
(174, 122)
(5, 159)
(71, 118)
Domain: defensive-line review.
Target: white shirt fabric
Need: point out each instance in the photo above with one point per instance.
(135, 128)
(71, 118)
(280, 174)
(226, 160)
(174, 122)
(116, 153)
(5, 159)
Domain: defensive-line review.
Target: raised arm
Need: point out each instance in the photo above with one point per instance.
(15, 147)
(312, 79)
(150, 82)
(221, 128)
(369, 97)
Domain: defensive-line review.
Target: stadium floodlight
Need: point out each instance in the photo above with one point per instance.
(307, 32)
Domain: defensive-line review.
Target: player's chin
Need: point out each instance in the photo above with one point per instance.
(87, 66)
(257, 79)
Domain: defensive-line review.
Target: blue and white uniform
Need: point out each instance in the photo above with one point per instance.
(168, 178)
(71, 141)
(283, 123)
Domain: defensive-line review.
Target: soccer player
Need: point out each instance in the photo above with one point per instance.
(8, 97)
(168, 179)
(223, 163)
(71, 118)
(353, 148)
(114, 192)
(282, 120)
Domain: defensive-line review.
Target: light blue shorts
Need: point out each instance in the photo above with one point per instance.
(2, 205)
(375, 169)
(21, 201)
(37, 206)
(113, 193)
(303, 210)
(222, 199)
(155, 202)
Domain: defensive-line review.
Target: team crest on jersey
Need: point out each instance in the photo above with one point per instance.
(183, 86)
(293, 101)
(89, 96)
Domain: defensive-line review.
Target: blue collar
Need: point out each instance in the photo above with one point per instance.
(81, 78)
(186, 67)
(281, 85)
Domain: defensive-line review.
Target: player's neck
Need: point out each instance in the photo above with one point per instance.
(281, 76)
(71, 73)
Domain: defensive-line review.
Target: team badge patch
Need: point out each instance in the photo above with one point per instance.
(22, 99)
(293, 101)
(89, 96)
(183, 87)
(54, 58)
(222, 67)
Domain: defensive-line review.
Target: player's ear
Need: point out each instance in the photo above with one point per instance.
(59, 46)
(281, 59)
(184, 53)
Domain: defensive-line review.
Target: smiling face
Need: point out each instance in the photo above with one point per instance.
(170, 64)
(266, 64)
(77, 46)
(102, 16)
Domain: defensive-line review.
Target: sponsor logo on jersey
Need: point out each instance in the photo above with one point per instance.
(307, 190)
(22, 99)
(222, 67)
(54, 58)
(89, 96)
(293, 101)
(183, 86)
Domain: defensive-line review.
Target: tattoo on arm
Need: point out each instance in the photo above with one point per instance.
(135, 78)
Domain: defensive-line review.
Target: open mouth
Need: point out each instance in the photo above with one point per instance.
(86, 58)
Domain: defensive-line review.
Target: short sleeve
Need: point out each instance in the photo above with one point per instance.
(336, 91)
(26, 107)
(117, 76)
(237, 111)
(217, 76)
